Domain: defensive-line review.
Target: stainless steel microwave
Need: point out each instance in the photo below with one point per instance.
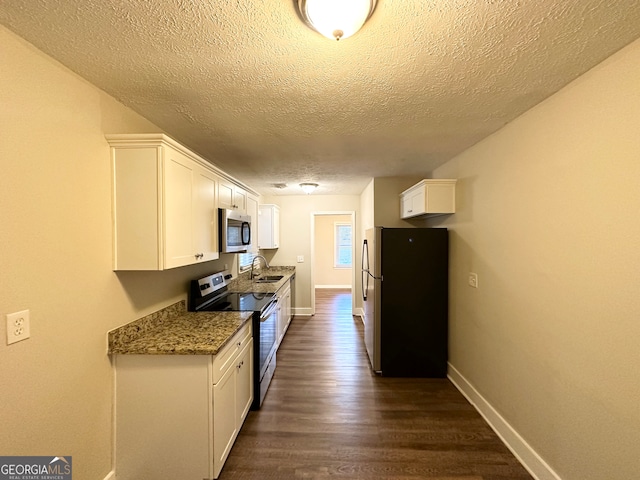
(235, 231)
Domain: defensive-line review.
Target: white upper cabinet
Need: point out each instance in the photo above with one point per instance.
(252, 211)
(205, 215)
(268, 227)
(429, 197)
(232, 197)
(164, 204)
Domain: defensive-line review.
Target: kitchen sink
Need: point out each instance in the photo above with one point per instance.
(269, 279)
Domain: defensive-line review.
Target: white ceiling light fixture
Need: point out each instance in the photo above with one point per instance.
(308, 187)
(336, 19)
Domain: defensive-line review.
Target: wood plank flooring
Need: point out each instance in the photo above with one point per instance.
(326, 415)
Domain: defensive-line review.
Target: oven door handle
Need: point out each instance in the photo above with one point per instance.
(272, 306)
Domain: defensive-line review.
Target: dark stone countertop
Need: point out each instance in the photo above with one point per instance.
(175, 331)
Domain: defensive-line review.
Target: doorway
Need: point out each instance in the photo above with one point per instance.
(332, 253)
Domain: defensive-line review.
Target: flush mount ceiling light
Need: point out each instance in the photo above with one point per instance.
(336, 19)
(308, 187)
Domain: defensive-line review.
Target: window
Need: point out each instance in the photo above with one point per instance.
(244, 261)
(343, 248)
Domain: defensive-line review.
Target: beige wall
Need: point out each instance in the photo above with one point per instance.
(55, 237)
(295, 237)
(380, 202)
(325, 273)
(549, 218)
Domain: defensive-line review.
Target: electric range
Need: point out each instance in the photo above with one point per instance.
(210, 294)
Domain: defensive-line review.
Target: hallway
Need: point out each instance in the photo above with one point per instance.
(326, 415)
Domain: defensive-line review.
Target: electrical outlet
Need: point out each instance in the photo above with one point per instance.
(18, 327)
(300, 258)
(473, 280)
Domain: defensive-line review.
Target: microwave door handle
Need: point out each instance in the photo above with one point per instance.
(245, 228)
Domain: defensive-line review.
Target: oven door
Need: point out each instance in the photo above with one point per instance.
(268, 333)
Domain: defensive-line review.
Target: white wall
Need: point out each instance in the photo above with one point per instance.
(549, 218)
(55, 237)
(325, 273)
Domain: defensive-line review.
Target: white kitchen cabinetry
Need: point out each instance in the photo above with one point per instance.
(232, 397)
(252, 211)
(164, 204)
(268, 227)
(231, 196)
(284, 310)
(177, 416)
(429, 197)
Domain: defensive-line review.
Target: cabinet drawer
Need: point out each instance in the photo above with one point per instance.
(226, 357)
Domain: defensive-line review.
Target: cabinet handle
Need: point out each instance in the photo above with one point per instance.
(199, 255)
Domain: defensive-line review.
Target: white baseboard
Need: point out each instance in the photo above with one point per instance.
(111, 476)
(302, 312)
(334, 286)
(359, 312)
(527, 456)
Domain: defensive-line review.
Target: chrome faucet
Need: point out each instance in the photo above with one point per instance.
(266, 264)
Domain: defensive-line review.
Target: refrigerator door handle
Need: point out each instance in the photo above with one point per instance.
(365, 269)
(365, 256)
(365, 285)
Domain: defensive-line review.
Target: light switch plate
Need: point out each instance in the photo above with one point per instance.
(473, 280)
(18, 327)
(300, 258)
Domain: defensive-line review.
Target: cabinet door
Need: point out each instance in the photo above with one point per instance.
(240, 199)
(178, 196)
(269, 226)
(281, 322)
(276, 227)
(225, 426)
(405, 207)
(287, 305)
(244, 384)
(232, 197)
(252, 210)
(225, 195)
(205, 216)
(413, 203)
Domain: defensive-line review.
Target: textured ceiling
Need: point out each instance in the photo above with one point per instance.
(247, 85)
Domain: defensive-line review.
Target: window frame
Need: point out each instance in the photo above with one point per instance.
(337, 247)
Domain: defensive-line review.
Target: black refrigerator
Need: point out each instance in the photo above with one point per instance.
(405, 276)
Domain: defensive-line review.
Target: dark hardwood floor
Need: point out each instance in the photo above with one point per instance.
(326, 415)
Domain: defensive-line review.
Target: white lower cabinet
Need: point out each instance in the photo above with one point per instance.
(232, 397)
(177, 416)
(284, 311)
